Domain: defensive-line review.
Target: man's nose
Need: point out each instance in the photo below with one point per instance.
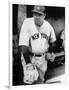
(37, 17)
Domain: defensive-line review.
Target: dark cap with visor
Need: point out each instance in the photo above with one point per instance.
(39, 9)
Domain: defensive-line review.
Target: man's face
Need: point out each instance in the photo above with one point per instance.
(38, 18)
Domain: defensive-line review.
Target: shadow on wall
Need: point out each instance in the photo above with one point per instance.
(58, 24)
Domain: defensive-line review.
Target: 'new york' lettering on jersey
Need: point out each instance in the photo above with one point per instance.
(36, 36)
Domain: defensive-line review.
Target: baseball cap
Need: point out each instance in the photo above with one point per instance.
(39, 9)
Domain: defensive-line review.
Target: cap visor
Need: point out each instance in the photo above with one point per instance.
(34, 11)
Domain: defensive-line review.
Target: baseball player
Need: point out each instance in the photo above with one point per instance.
(34, 42)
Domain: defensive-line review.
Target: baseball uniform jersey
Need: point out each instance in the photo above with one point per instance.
(29, 29)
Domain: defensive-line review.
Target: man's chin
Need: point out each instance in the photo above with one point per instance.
(39, 24)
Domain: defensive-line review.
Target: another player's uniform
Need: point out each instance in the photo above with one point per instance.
(37, 39)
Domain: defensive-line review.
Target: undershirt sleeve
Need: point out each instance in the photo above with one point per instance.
(24, 35)
(52, 35)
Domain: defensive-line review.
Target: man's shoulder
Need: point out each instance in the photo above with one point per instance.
(28, 20)
(47, 23)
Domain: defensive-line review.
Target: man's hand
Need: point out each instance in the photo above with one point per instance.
(50, 56)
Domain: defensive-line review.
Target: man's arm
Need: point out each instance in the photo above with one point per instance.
(50, 55)
(52, 47)
(25, 51)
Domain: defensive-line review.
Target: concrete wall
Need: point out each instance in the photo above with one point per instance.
(21, 15)
(58, 24)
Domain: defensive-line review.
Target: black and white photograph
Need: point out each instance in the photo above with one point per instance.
(38, 44)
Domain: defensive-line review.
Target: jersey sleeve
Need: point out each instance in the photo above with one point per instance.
(62, 35)
(52, 35)
(24, 35)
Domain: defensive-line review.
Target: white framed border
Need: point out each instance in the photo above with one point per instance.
(63, 3)
(10, 45)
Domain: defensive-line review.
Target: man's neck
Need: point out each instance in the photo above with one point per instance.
(39, 25)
